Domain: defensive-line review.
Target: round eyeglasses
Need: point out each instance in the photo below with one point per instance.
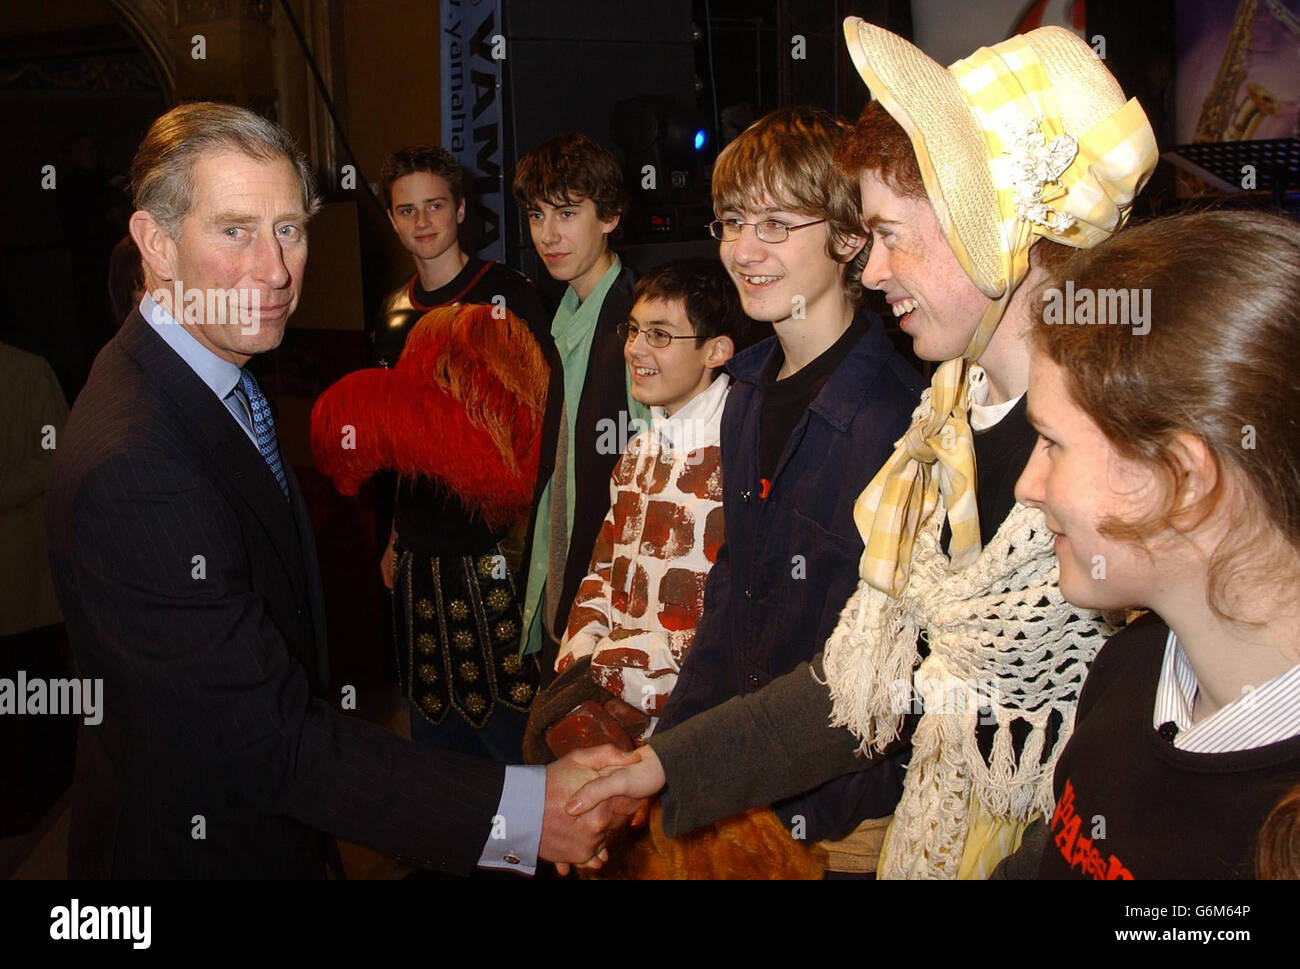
(769, 230)
(654, 336)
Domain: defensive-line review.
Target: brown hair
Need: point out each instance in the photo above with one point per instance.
(786, 159)
(1277, 855)
(567, 169)
(162, 171)
(422, 158)
(1219, 362)
(878, 144)
(711, 301)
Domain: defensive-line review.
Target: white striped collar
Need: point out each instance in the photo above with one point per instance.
(1261, 716)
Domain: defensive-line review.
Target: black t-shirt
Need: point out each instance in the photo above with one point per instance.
(430, 518)
(784, 401)
(1001, 453)
(477, 282)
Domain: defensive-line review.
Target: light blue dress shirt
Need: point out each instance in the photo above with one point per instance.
(516, 833)
(221, 376)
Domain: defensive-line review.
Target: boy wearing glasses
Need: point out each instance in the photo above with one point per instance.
(572, 192)
(635, 613)
(812, 414)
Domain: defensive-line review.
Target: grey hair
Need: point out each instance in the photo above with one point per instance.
(162, 171)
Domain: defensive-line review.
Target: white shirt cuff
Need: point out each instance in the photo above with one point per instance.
(516, 834)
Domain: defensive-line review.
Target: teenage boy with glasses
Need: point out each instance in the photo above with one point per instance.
(812, 414)
(634, 617)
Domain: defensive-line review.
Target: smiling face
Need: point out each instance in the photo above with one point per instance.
(911, 262)
(669, 377)
(425, 215)
(1079, 481)
(785, 281)
(247, 232)
(573, 242)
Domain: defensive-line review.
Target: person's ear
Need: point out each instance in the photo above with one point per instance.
(1198, 478)
(609, 225)
(158, 252)
(460, 212)
(721, 350)
(848, 246)
(392, 219)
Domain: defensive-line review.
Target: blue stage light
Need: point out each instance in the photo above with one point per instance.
(699, 139)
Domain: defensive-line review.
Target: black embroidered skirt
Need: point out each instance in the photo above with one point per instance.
(458, 624)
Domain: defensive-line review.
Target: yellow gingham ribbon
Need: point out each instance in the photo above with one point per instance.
(1075, 191)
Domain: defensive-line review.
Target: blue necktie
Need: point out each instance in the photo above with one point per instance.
(263, 427)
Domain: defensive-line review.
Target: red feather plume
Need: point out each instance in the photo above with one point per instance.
(464, 405)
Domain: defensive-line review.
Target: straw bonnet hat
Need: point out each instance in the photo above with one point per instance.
(1032, 134)
(1028, 139)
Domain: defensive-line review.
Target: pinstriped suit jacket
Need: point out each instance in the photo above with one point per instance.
(191, 587)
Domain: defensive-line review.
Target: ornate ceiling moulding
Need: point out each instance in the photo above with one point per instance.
(151, 22)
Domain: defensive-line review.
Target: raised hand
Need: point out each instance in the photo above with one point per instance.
(623, 777)
(579, 837)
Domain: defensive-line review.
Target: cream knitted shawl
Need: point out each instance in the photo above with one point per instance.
(1001, 638)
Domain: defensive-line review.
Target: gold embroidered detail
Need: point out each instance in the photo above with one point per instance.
(462, 639)
(431, 705)
(457, 609)
(506, 629)
(512, 664)
(468, 670)
(424, 608)
(498, 599)
(475, 704)
(485, 566)
(426, 643)
(427, 673)
(521, 693)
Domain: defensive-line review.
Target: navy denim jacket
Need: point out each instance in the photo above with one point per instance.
(789, 562)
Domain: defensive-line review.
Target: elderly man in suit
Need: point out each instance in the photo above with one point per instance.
(184, 561)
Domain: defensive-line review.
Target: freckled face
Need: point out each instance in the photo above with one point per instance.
(912, 264)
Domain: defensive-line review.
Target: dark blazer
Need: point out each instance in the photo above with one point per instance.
(790, 561)
(766, 611)
(604, 398)
(191, 587)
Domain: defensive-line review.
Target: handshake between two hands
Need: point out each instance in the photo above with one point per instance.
(590, 794)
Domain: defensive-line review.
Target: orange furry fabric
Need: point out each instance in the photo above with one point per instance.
(464, 405)
(753, 845)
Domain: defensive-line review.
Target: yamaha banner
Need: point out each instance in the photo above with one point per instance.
(473, 47)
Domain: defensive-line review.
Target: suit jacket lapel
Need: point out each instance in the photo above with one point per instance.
(223, 444)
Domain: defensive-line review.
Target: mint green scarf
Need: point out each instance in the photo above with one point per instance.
(573, 328)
